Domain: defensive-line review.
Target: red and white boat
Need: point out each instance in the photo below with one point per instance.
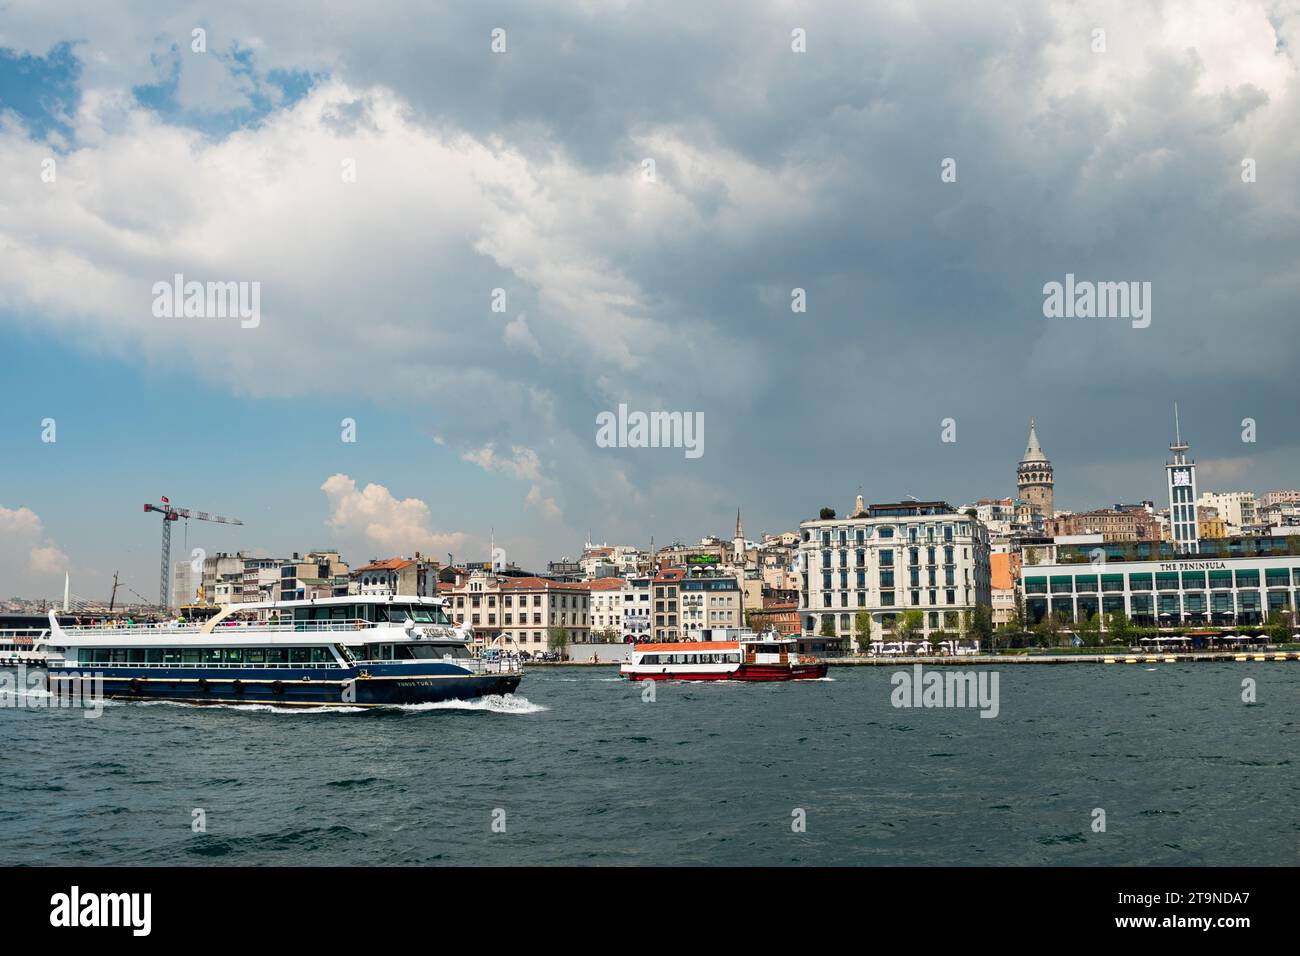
(724, 654)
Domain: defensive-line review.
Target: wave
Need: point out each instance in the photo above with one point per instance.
(491, 703)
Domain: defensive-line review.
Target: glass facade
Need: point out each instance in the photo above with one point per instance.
(1224, 596)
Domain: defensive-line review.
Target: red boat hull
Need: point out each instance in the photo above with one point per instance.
(746, 672)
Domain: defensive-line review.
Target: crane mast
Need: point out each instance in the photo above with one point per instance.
(169, 514)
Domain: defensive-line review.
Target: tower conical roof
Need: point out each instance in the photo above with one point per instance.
(1033, 451)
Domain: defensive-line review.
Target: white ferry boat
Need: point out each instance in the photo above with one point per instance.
(22, 646)
(366, 651)
(724, 654)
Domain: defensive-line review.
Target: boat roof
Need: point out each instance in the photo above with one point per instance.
(690, 646)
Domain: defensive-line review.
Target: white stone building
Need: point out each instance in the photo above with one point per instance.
(892, 558)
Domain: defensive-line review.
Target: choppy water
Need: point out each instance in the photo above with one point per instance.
(587, 772)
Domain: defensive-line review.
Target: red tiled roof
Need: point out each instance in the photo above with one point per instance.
(389, 564)
(606, 584)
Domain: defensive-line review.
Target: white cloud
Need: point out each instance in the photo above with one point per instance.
(546, 506)
(522, 462)
(1224, 470)
(48, 560)
(21, 523)
(373, 516)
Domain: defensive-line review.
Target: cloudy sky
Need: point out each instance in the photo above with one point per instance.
(379, 170)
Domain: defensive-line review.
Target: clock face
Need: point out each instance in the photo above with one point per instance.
(1182, 478)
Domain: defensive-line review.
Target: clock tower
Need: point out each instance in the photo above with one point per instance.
(1181, 475)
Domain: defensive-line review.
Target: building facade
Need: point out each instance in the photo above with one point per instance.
(403, 577)
(1229, 582)
(1237, 508)
(892, 558)
(709, 600)
(518, 612)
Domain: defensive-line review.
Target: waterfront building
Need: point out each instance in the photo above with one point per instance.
(1237, 508)
(1209, 523)
(223, 577)
(996, 514)
(1004, 579)
(890, 558)
(1180, 474)
(1270, 498)
(1112, 524)
(404, 577)
(518, 612)
(1035, 479)
(709, 599)
(780, 616)
(607, 597)
(1230, 581)
(636, 608)
(667, 583)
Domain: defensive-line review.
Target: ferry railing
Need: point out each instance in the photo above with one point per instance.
(225, 627)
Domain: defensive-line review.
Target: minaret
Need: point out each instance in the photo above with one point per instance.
(1034, 477)
(738, 544)
(1181, 476)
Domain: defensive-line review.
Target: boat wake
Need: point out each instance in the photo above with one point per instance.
(491, 703)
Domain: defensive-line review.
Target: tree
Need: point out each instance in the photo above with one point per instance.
(862, 629)
(827, 514)
(1090, 630)
(980, 626)
(1279, 626)
(1048, 629)
(828, 625)
(1119, 627)
(557, 639)
(1031, 556)
(908, 626)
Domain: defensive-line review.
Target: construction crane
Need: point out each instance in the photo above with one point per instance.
(170, 513)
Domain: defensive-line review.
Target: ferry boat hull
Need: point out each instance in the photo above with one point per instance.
(290, 690)
(728, 654)
(745, 672)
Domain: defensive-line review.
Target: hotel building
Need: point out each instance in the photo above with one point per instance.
(889, 558)
(1231, 581)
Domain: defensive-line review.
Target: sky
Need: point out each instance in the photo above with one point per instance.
(465, 253)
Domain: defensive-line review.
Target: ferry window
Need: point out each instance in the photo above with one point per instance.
(277, 655)
(320, 614)
(255, 655)
(358, 651)
(733, 658)
(211, 655)
(321, 655)
(154, 655)
(340, 613)
(423, 615)
(136, 655)
(102, 656)
(190, 655)
(300, 655)
(234, 655)
(385, 652)
(398, 615)
(84, 656)
(402, 652)
(118, 656)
